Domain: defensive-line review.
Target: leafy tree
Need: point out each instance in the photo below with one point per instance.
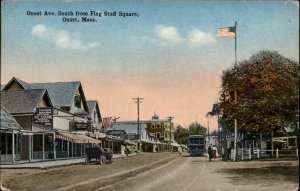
(181, 134)
(261, 93)
(196, 129)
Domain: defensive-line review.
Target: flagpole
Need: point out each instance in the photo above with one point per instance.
(235, 42)
(235, 101)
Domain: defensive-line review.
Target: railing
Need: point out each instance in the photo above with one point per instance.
(248, 154)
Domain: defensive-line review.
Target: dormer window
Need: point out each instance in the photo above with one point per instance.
(77, 101)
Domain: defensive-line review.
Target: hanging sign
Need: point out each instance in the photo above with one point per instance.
(43, 116)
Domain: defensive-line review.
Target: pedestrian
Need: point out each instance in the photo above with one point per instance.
(210, 152)
(127, 150)
(179, 151)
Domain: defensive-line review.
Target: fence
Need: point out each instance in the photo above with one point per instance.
(248, 154)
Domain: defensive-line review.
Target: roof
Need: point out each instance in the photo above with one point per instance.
(130, 128)
(91, 105)
(7, 121)
(61, 93)
(24, 84)
(21, 83)
(155, 116)
(24, 101)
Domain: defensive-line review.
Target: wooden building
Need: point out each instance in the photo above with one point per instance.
(50, 112)
(10, 138)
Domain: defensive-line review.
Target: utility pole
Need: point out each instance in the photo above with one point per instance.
(138, 101)
(170, 121)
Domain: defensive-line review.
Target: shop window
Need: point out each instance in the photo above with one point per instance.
(9, 143)
(37, 142)
(3, 143)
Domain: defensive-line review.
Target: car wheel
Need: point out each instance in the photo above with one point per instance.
(102, 160)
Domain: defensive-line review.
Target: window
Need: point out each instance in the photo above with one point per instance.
(157, 135)
(77, 101)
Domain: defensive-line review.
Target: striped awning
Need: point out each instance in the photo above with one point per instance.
(76, 138)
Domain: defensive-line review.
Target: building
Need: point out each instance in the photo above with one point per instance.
(132, 134)
(53, 114)
(10, 138)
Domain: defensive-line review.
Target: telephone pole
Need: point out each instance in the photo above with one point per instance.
(170, 121)
(138, 101)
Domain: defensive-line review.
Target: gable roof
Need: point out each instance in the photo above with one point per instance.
(61, 93)
(91, 105)
(7, 121)
(129, 127)
(23, 102)
(21, 83)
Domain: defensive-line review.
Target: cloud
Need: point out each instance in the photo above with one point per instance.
(39, 30)
(169, 36)
(62, 38)
(198, 38)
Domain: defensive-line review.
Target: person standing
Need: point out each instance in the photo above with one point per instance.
(210, 152)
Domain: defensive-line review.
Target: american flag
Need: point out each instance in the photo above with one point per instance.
(226, 32)
(106, 122)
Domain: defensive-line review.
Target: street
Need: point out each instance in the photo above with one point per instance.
(159, 172)
(196, 173)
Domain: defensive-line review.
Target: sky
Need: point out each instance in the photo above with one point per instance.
(166, 53)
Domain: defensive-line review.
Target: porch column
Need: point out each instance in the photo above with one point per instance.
(81, 150)
(30, 147)
(43, 146)
(68, 149)
(54, 146)
(13, 148)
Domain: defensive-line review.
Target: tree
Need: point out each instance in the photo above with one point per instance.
(181, 134)
(261, 93)
(196, 129)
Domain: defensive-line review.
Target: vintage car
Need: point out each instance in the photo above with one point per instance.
(98, 154)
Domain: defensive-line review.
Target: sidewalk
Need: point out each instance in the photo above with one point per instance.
(52, 163)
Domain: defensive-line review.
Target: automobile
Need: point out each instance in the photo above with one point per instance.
(101, 155)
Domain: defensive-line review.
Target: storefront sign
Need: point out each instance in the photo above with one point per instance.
(116, 132)
(132, 136)
(43, 116)
(82, 126)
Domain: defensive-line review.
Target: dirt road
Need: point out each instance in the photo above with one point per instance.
(81, 176)
(196, 174)
(159, 172)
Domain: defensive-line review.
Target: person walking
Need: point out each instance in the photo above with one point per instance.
(179, 151)
(210, 152)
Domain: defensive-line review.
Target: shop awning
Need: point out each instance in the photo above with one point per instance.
(150, 142)
(76, 138)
